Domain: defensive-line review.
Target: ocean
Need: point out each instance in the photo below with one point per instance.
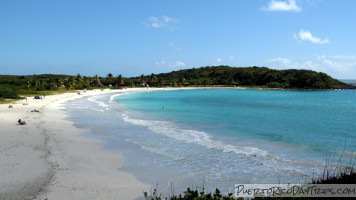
(216, 138)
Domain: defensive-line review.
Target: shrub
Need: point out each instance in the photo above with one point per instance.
(274, 85)
(8, 93)
(191, 194)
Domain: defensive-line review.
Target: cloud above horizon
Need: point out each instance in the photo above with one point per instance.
(161, 22)
(308, 36)
(277, 5)
(171, 64)
(336, 66)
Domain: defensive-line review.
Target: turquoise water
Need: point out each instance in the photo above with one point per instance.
(317, 122)
(217, 138)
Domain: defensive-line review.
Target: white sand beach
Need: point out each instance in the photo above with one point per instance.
(49, 158)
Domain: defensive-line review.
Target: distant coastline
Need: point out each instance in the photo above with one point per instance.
(349, 81)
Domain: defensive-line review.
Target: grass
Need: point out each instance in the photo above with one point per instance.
(29, 93)
(7, 101)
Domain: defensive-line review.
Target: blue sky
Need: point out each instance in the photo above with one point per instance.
(134, 37)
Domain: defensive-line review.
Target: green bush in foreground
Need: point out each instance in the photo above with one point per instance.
(190, 194)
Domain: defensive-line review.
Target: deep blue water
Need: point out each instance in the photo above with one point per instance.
(219, 137)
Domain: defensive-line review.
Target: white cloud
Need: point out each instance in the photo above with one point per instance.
(282, 61)
(308, 36)
(288, 5)
(353, 57)
(285, 63)
(179, 64)
(343, 67)
(160, 22)
(171, 64)
(218, 60)
(232, 57)
(161, 63)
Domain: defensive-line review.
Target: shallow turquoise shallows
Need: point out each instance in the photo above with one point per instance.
(320, 121)
(222, 137)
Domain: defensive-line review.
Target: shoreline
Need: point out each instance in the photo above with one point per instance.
(50, 158)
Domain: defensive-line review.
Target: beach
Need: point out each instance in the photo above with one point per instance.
(49, 158)
(105, 145)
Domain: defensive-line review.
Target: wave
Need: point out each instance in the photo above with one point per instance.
(100, 103)
(260, 157)
(112, 97)
(87, 107)
(194, 137)
(156, 150)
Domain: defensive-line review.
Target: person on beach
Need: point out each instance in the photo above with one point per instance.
(21, 122)
(25, 102)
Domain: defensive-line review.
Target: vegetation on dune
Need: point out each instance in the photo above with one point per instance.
(13, 86)
(196, 194)
(191, 194)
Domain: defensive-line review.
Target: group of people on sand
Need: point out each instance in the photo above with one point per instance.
(23, 122)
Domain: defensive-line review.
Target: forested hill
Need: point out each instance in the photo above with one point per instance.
(12, 86)
(256, 76)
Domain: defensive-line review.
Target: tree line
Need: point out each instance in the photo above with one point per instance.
(11, 86)
(256, 76)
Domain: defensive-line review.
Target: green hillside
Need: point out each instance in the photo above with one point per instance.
(255, 76)
(12, 86)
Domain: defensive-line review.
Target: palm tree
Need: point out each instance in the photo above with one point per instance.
(230, 81)
(181, 81)
(59, 82)
(96, 81)
(159, 80)
(109, 78)
(120, 80)
(152, 78)
(32, 84)
(69, 83)
(204, 82)
(49, 84)
(142, 79)
(78, 78)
